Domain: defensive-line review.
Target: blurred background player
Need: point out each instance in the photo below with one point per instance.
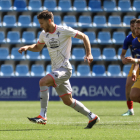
(128, 43)
(135, 90)
(58, 41)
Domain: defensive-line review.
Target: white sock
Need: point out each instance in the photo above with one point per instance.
(43, 112)
(44, 98)
(91, 116)
(131, 110)
(78, 106)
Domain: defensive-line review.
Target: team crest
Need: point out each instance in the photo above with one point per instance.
(47, 36)
(58, 33)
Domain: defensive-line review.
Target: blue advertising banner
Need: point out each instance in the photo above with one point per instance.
(99, 88)
(84, 89)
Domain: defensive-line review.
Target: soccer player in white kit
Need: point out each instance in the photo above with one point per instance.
(58, 42)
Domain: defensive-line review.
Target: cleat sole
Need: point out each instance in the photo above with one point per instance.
(43, 123)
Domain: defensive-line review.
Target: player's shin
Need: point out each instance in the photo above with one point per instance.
(44, 98)
(78, 106)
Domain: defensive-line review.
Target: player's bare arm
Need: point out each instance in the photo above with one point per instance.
(130, 60)
(87, 45)
(134, 75)
(34, 48)
(123, 56)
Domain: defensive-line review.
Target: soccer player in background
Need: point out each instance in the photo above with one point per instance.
(58, 42)
(135, 90)
(128, 44)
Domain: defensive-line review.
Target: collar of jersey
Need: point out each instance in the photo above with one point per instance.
(54, 29)
(138, 40)
(133, 36)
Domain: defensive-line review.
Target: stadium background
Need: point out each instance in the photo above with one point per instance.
(106, 22)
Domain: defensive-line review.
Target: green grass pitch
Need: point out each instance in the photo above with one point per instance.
(64, 123)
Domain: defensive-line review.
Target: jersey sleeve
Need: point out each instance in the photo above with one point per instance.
(40, 41)
(126, 44)
(70, 32)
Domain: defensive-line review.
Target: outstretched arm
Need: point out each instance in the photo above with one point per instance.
(132, 60)
(34, 48)
(87, 45)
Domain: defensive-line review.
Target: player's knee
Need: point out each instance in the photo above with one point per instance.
(131, 97)
(134, 97)
(67, 102)
(42, 82)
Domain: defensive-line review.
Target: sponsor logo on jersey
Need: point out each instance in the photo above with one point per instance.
(54, 43)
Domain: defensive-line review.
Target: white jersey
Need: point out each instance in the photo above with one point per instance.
(59, 45)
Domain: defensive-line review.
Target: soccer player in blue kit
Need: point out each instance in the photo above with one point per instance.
(135, 90)
(128, 44)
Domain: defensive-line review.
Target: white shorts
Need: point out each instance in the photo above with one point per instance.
(61, 80)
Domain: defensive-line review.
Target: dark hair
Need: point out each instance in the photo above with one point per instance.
(45, 15)
(132, 21)
(137, 21)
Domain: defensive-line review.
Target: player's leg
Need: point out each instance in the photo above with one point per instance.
(128, 86)
(135, 95)
(135, 91)
(53, 79)
(64, 91)
(44, 83)
(78, 106)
